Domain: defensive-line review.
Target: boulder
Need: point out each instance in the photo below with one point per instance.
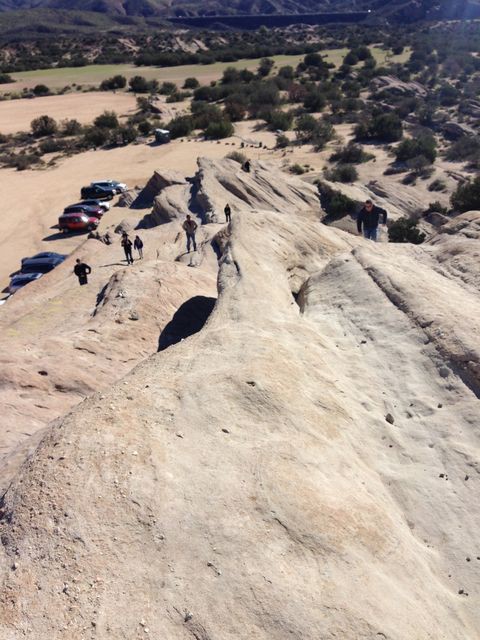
(396, 86)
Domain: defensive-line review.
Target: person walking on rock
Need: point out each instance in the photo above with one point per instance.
(368, 218)
(246, 166)
(138, 244)
(228, 212)
(127, 247)
(190, 227)
(82, 270)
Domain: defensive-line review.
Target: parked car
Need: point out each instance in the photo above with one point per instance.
(89, 210)
(45, 254)
(99, 193)
(162, 136)
(41, 265)
(22, 279)
(110, 184)
(77, 222)
(94, 203)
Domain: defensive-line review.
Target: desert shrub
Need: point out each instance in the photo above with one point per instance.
(51, 145)
(111, 84)
(351, 58)
(180, 126)
(467, 196)
(314, 101)
(167, 88)
(405, 230)
(139, 84)
(235, 108)
(335, 203)
(126, 133)
(219, 129)
(95, 137)
(106, 120)
(265, 66)
(465, 148)
(204, 113)
(144, 127)
(43, 126)
(420, 166)
(342, 173)
(177, 96)
(351, 154)
(41, 90)
(238, 156)
(436, 207)
(282, 141)
(297, 169)
(279, 120)
(437, 185)
(316, 132)
(287, 72)
(5, 78)
(386, 127)
(448, 95)
(191, 83)
(70, 127)
(422, 145)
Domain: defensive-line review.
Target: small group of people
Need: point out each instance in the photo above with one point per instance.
(127, 247)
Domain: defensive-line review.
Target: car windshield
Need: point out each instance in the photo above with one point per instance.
(37, 268)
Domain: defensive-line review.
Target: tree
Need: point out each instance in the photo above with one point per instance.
(314, 101)
(351, 154)
(467, 196)
(41, 90)
(111, 84)
(385, 127)
(191, 83)
(405, 230)
(422, 145)
(139, 84)
(167, 88)
(279, 120)
(43, 126)
(342, 173)
(107, 120)
(70, 127)
(265, 66)
(180, 126)
(144, 127)
(95, 137)
(219, 129)
(287, 72)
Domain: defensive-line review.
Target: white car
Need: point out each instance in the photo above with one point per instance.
(110, 184)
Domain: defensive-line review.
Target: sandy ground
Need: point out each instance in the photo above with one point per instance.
(16, 115)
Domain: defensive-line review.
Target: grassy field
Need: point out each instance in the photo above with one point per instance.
(92, 75)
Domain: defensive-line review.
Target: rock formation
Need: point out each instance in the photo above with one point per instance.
(304, 466)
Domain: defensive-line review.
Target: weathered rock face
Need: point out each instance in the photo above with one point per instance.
(220, 181)
(455, 130)
(284, 473)
(398, 87)
(157, 183)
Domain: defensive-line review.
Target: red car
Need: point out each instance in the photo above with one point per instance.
(77, 222)
(93, 211)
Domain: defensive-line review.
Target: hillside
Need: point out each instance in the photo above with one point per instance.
(304, 466)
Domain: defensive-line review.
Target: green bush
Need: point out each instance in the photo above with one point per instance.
(335, 204)
(351, 154)
(139, 84)
(41, 90)
(111, 84)
(5, 78)
(282, 141)
(437, 185)
(107, 120)
(422, 145)
(279, 120)
(405, 230)
(43, 126)
(167, 88)
(465, 148)
(219, 129)
(265, 66)
(467, 196)
(126, 133)
(314, 101)
(239, 157)
(144, 127)
(51, 145)
(342, 173)
(191, 83)
(180, 126)
(386, 127)
(70, 127)
(297, 169)
(95, 137)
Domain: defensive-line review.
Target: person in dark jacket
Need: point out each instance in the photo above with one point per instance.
(138, 244)
(82, 270)
(127, 247)
(228, 212)
(246, 166)
(190, 228)
(368, 218)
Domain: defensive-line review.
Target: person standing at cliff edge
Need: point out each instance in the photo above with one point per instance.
(369, 217)
(127, 247)
(228, 212)
(82, 270)
(190, 227)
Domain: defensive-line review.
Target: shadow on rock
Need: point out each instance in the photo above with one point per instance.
(188, 319)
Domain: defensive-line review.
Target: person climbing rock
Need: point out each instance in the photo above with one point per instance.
(127, 247)
(246, 166)
(190, 227)
(138, 244)
(228, 212)
(368, 218)
(82, 270)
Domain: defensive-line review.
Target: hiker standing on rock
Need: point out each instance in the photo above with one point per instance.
(246, 166)
(127, 247)
(190, 227)
(369, 217)
(82, 270)
(138, 244)
(228, 212)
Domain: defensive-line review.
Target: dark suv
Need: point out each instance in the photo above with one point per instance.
(97, 193)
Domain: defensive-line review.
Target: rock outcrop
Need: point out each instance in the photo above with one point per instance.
(398, 87)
